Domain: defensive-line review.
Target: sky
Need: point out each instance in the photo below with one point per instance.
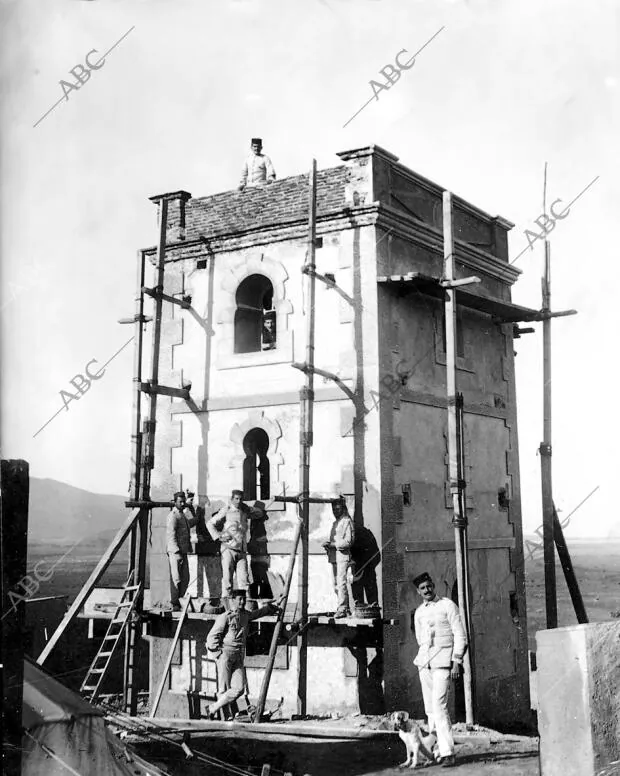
(504, 87)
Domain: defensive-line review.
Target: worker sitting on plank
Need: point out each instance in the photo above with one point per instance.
(338, 550)
(226, 642)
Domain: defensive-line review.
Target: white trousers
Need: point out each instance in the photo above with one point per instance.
(436, 690)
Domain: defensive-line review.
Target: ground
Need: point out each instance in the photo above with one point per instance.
(598, 570)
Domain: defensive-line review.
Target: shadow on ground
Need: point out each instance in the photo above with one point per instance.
(320, 757)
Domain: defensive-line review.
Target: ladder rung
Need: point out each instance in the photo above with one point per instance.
(89, 687)
(113, 636)
(97, 670)
(125, 603)
(104, 654)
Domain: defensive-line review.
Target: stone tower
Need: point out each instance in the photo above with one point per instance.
(239, 255)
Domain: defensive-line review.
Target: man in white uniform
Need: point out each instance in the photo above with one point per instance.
(442, 640)
(257, 168)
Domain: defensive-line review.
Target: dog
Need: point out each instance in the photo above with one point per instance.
(411, 735)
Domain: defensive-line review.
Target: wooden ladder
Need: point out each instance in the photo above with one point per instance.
(99, 667)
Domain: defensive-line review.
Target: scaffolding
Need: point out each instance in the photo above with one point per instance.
(451, 291)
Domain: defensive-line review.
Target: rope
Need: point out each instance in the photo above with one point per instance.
(146, 729)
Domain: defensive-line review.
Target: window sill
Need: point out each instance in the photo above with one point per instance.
(281, 354)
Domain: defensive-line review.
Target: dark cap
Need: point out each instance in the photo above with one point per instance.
(424, 577)
(190, 494)
(235, 593)
(179, 494)
(256, 140)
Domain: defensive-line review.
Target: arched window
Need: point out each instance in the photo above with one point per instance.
(256, 465)
(255, 320)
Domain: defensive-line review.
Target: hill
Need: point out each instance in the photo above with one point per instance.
(62, 514)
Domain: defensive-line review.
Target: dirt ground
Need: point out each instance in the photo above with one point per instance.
(482, 751)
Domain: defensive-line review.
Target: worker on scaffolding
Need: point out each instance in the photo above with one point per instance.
(442, 640)
(257, 168)
(226, 643)
(338, 548)
(230, 526)
(178, 547)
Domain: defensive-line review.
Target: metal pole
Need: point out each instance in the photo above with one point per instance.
(305, 444)
(551, 603)
(459, 519)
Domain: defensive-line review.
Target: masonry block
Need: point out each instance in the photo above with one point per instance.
(579, 699)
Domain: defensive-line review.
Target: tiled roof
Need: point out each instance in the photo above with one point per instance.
(281, 202)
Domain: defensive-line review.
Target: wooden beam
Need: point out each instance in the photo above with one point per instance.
(551, 603)
(107, 557)
(155, 294)
(459, 516)
(164, 390)
(173, 646)
(569, 572)
(306, 433)
(508, 543)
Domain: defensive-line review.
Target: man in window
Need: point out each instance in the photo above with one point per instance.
(230, 526)
(338, 549)
(269, 331)
(178, 547)
(257, 168)
(442, 640)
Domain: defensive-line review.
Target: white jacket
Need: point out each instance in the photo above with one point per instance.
(257, 168)
(439, 633)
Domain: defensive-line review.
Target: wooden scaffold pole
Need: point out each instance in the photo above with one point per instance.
(459, 519)
(305, 443)
(146, 458)
(551, 604)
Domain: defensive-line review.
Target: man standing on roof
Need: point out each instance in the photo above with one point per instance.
(257, 168)
(442, 640)
(178, 547)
